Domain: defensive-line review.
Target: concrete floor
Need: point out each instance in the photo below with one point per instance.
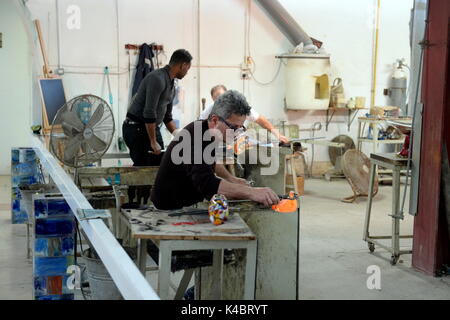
(333, 258)
(15, 268)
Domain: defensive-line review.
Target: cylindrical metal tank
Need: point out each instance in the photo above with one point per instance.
(398, 88)
(307, 81)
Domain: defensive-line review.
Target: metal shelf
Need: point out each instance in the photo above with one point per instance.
(398, 141)
(351, 115)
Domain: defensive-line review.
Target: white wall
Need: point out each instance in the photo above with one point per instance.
(15, 83)
(345, 27)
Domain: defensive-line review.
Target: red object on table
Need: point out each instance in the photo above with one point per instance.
(405, 149)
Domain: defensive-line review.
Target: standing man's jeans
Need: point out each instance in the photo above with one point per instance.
(137, 140)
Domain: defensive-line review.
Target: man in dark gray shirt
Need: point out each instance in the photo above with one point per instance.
(149, 108)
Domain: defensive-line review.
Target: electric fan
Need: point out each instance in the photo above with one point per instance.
(82, 131)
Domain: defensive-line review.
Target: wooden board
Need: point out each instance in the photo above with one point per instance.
(391, 158)
(201, 229)
(385, 118)
(93, 184)
(46, 69)
(134, 176)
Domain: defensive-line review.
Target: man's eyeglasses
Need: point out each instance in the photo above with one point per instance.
(232, 126)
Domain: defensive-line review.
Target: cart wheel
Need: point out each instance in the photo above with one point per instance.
(371, 247)
(394, 260)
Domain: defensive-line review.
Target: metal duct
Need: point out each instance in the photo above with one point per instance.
(283, 20)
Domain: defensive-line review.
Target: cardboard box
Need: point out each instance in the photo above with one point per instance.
(300, 184)
(385, 111)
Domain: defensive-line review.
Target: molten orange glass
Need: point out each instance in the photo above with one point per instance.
(287, 205)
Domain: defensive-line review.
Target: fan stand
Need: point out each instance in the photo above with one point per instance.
(352, 199)
(76, 178)
(356, 194)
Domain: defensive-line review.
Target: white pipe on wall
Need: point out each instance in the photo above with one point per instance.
(199, 105)
(58, 34)
(118, 126)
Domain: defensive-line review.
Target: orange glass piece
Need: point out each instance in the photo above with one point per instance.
(287, 205)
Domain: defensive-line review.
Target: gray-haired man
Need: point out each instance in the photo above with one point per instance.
(187, 175)
(254, 116)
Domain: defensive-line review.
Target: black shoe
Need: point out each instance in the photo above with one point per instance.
(190, 294)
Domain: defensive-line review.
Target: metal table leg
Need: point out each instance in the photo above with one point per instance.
(118, 213)
(198, 284)
(165, 255)
(184, 283)
(395, 218)
(369, 201)
(250, 271)
(218, 273)
(359, 137)
(142, 255)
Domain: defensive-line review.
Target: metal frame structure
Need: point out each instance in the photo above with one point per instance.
(351, 115)
(385, 160)
(127, 277)
(415, 105)
(166, 247)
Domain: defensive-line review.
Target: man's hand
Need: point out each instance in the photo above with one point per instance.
(266, 196)
(283, 139)
(263, 122)
(172, 127)
(151, 131)
(156, 148)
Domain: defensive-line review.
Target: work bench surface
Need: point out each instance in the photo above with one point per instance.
(390, 158)
(148, 224)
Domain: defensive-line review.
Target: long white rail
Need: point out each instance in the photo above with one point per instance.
(127, 277)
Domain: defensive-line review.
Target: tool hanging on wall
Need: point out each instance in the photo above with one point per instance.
(106, 71)
(120, 143)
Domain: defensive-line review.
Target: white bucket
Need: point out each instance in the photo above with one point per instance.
(100, 282)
